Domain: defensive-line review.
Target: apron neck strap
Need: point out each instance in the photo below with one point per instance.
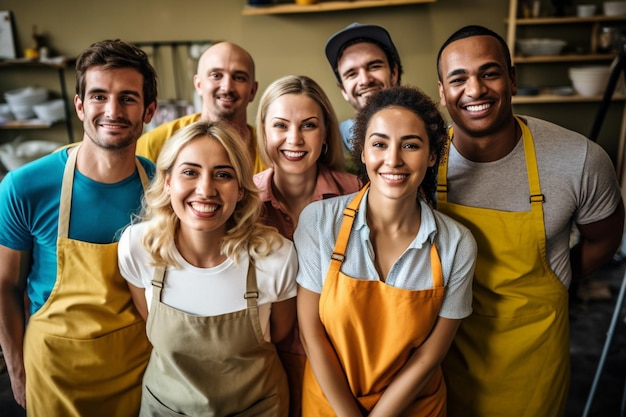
(67, 185)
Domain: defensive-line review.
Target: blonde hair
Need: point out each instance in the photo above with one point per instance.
(244, 232)
(302, 85)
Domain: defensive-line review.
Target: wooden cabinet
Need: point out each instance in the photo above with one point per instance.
(25, 67)
(327, 6)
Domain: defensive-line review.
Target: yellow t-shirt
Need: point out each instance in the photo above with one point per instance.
(149, 145)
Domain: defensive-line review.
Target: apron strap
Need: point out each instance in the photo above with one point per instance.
(67, 185)
(349, 213)
(252, 292)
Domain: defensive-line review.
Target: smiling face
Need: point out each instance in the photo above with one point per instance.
(363, 68)
(226, 82)
(112, 111)
(295, 132)
(203, 187)
(477, 85)
(396, 153)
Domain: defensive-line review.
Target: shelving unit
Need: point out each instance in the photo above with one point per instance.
(21, 64)
(591, 55)
(326, 6)
(594, 24)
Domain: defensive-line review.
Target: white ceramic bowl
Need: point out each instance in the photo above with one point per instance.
(26, 95)
(585, 10)
(614, 8)
(50, 111)
(538, 46)
(590, 81)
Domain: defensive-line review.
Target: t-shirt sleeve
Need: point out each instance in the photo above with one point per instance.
(458, 300)
(128, 254)
(600, 192)
(287, 287)
(307, 240)
(14, 230)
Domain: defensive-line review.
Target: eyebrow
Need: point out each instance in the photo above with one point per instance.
(124, 92)
(402, 138)
(367, 64)
(194, 164)
(482, 68)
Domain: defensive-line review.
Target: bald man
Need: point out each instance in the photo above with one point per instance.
(226, 82)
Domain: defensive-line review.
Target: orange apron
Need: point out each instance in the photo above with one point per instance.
(86, 349)
(511, 356)
(212, 366)
(361, 320)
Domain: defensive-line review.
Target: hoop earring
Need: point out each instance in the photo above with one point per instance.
(324, 149)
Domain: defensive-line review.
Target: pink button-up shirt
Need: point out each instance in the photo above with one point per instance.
(330, 183)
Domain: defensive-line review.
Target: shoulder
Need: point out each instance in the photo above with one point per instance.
(263, 179)
(450, 230)
(338, 182)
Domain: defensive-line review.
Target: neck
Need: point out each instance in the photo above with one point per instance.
(294, 192)
(200, 249)
(105, 165)
(392, 216)
(488, 147)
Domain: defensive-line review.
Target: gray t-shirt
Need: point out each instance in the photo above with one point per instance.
(577, 179)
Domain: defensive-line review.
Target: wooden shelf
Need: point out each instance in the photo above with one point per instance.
(25, 124)
(521, 59)
(553, 98)
(567, 20)
(327, 6)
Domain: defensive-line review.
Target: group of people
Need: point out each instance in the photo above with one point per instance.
(214, 268)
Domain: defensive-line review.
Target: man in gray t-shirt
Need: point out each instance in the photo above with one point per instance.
(519, 184)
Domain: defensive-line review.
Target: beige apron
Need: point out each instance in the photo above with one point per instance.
(85, 350)
(511, 356)
(211, 366)
(361, 320)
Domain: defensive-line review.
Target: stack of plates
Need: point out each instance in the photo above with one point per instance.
(22, 100)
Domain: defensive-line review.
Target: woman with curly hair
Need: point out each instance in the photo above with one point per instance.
(215, 285)
(384, 279)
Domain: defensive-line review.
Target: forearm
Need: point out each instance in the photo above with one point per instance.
(598, 243)
(12, 339)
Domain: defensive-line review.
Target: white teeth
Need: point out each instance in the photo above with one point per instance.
(204, 208)
(479, 107)
(292, 154)
(394, 177)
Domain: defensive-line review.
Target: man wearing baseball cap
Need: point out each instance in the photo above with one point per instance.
(364, 60)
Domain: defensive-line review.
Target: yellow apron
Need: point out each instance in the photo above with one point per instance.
(361, 321)
(211, 366)
(86, 349)
(511, 356)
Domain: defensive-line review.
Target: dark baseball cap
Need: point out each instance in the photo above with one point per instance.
(357, 31)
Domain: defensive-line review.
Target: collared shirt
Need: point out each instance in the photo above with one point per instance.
(318, 230)
(329, 183)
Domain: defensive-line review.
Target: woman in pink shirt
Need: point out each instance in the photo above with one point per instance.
(298, 138)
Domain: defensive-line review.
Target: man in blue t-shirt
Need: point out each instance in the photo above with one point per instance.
(83, 349)
(363, 59)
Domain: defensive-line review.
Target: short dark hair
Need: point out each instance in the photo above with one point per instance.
(469, 32)
(418, 102)
(111, 54)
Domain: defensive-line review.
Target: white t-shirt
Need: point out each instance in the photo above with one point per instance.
(211, 291)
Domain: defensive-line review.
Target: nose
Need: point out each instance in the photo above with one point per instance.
(474, 87)
(363, 77)
(294, 136)
(393, 157)
(113, 109)
(206, 187)
(226, 83)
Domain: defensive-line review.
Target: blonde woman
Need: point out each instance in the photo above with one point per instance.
(299, 139)
(216, 286)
